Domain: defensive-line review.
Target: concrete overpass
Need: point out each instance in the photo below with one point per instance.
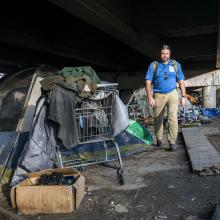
(113, 35)
(118, 38)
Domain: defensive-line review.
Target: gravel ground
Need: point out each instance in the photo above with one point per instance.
(159, 185)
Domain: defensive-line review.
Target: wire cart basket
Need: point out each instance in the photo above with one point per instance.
(94, 124)
(137, 105)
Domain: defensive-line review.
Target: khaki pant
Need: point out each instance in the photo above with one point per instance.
(171, 101)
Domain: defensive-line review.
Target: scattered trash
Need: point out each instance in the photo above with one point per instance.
(140, 111)
(163, 217)
(171, 187)
(191, 217)
(93, 188)
(160, 217)
(181, 207)
(119, 207)
(205, 119)
(188, 113)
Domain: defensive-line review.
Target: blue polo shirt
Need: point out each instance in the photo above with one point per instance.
(165, 78)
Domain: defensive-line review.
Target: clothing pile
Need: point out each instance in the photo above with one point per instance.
(55, 178)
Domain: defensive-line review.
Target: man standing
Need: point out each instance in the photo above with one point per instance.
(164, 75)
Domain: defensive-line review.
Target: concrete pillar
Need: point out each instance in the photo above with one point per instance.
(218, 96)
(209, 96)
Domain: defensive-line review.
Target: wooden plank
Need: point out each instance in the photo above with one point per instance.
(204, 158)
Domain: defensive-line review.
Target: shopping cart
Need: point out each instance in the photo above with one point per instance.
(138, 107)
(94, 124)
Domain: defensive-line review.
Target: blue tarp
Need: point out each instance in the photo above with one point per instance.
(210, 112)
(132, 144)
(91, 150)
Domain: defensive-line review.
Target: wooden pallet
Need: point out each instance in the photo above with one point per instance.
(204, 158)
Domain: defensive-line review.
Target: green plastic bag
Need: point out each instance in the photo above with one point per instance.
(140, 132)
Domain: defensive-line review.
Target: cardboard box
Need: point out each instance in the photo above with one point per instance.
(32, 199)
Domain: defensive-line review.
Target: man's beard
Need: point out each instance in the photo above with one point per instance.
(165, 59)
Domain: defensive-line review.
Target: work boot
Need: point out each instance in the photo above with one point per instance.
(160, 143)
(172, 147)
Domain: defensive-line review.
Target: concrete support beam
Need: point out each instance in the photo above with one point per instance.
(209, 96)
(99, 16)
(208, 79)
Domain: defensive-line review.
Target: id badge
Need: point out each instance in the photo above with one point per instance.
(171, 69)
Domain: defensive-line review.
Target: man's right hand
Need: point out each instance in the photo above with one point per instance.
(151, 101)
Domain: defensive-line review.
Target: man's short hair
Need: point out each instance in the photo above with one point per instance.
(165, 47)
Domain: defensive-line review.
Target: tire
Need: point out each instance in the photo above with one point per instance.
(120, 175)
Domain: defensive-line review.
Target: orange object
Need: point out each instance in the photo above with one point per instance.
(194, 100)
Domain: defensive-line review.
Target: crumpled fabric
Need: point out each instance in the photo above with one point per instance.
(83, 85)
(99, 115)
(39, 150)
(120, 119)
(62, 111)
(50, 82)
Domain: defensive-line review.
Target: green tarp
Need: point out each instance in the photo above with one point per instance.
(80, 71)
(139, 131)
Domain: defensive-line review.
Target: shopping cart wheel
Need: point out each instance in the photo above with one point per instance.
(120, 175)
(81, 169)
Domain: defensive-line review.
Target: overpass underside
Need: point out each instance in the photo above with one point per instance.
(118, 38)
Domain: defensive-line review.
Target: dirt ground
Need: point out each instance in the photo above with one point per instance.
(159, 185)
